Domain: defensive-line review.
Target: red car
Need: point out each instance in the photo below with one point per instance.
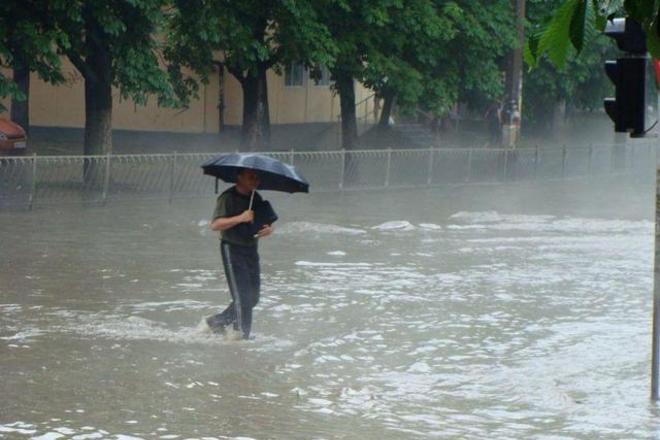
(13, 140)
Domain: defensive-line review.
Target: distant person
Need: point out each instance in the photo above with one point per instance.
(238, 246)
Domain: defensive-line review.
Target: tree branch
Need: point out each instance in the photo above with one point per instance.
(81, 65)
(238, 74)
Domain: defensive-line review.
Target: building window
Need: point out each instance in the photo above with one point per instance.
(293, 75)
(320, 75)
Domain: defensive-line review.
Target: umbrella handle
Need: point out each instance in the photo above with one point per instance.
(251, 199)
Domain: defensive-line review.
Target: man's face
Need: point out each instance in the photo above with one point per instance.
(248, 179)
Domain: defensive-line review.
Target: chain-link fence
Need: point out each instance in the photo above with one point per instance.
(45, 180)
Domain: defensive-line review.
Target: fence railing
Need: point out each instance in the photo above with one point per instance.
(42, 180)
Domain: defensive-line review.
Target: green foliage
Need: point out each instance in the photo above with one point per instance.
(579, 83)
(40, 31)
(565, 27)
(431, 54)
(127, 30)
(473, 60)
(355, 29)
(245, 34)
(405, 53)
(28, 38)
(569, 26)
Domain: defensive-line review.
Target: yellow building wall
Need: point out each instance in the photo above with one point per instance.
(233, 112)
(58, 106)
(309, 102)
(64, 105)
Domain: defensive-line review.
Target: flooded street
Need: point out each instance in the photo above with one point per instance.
(509, 311)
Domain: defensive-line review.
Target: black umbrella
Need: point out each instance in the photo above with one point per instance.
(273, 174)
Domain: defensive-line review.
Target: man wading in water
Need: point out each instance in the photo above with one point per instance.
(238, 246)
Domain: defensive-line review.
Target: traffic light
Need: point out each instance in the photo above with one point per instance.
(634, 109)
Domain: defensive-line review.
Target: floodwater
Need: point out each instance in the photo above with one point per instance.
(511, 311)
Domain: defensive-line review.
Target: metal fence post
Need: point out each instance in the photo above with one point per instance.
(106, 178)
(563, 160)
(291, 156)
(172, 176)
(342, 169)
(389, 166)
(506, 164)
(590, 158)
(468, 175)
(33, 189)
(429, 177)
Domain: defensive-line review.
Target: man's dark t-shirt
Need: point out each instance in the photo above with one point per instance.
(232, 203)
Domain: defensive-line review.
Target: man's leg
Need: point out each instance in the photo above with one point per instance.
(237, 269)
(229, 263)
(219, 321)
(253, 285)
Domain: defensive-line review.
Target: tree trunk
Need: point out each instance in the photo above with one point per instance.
(346, 87)
(349, 134)
(98, 128)
(514, 76)
(255, 130)
(98, 116)
(96, 68)
(98, 109)
(20, 109)
(389, 98)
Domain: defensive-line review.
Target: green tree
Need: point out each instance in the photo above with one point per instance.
(580, 84)
(426, 54)
(472, 62)
(248, 37)
(28, 41)
(113, 43)
(406, 55)
(358, 29)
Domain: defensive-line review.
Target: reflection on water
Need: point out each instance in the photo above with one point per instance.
(485, 312)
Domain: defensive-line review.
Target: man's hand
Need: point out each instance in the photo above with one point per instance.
(247, 216)
(265, 231)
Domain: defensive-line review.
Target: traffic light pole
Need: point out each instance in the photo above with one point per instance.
(655, 368)
(633, 111)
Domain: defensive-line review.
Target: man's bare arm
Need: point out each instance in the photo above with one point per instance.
(224, 223)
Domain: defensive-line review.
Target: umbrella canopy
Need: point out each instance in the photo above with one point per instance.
(273, 174)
